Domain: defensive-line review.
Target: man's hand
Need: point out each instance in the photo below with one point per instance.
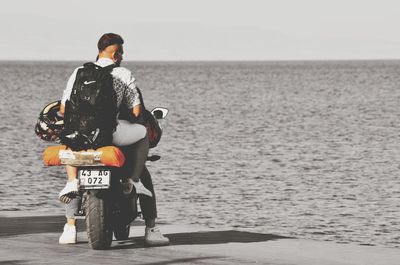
(62, 109)
(137, 110)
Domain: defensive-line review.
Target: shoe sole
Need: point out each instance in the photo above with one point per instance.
(67, 198)
(146, 194)
(155, 244)
(66, 242)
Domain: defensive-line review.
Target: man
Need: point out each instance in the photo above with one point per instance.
(110, 48)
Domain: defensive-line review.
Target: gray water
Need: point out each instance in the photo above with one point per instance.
(305, 149)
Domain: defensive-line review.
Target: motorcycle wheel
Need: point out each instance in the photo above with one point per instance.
(121, 232)
(98, 229)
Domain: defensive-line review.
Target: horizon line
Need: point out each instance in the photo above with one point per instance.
(206, 60)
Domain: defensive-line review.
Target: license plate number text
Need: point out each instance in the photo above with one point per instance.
(94, 178)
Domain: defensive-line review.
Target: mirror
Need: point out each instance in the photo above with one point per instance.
(159, 113)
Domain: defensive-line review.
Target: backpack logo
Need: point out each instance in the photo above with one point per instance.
(89, 82)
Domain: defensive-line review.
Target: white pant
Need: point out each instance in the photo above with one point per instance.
(128, 133)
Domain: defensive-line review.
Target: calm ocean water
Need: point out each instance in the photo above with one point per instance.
(305, 149)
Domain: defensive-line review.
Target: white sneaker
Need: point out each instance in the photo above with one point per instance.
(69, 235)
(140, 189)
(69, 192)
(153, 237)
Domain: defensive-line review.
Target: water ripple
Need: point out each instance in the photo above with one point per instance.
(298, 149)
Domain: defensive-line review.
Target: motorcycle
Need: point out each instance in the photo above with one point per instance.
(107, 209)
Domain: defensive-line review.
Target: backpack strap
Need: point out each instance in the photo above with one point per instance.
(93, 65)
(89, 65)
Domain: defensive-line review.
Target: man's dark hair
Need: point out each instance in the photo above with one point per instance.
(109, 39)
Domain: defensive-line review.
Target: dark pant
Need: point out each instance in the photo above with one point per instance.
(148, 204)
(135, 158)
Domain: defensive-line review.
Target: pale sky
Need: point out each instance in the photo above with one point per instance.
(202, 29)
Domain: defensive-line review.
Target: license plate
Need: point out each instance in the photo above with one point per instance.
(94, 178)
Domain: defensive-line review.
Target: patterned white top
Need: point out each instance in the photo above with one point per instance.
(123, 83)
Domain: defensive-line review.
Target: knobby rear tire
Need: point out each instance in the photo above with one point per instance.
(98, 229)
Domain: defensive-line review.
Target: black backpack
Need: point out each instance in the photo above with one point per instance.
(91, 112)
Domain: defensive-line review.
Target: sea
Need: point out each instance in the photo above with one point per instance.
(306, 149)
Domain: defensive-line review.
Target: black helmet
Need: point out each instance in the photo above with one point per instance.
(50, 123)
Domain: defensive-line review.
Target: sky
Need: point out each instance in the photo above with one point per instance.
(176, 30)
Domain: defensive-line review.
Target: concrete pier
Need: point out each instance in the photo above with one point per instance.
(34, 240)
